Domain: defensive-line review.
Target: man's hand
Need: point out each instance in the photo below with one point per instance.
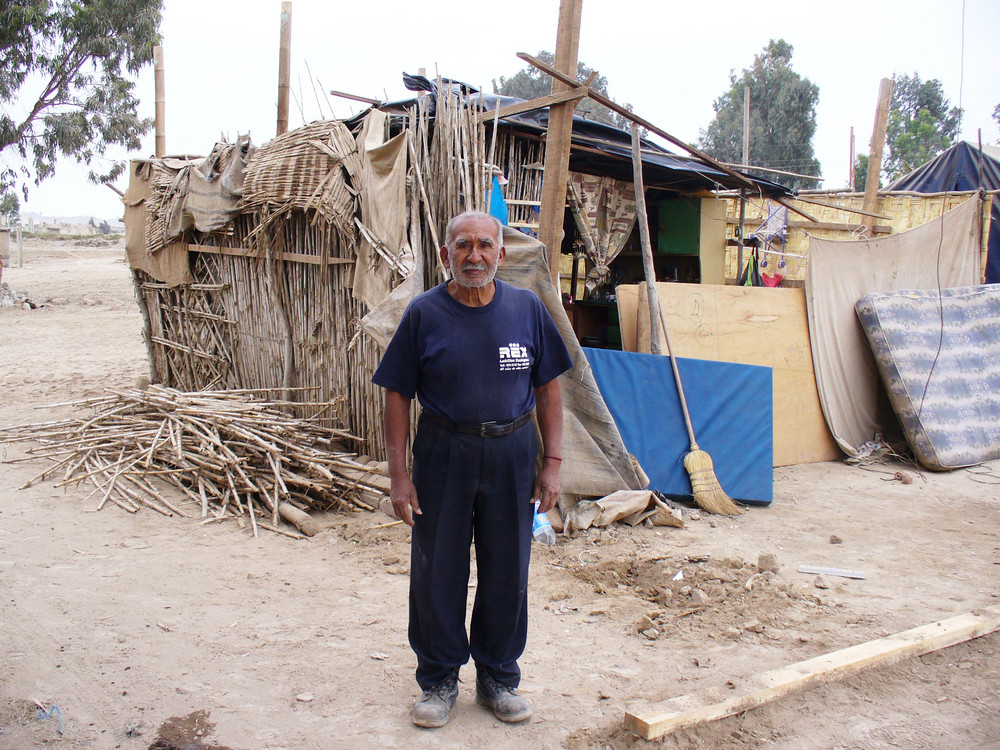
(547, 486)
(404, 499)
(549, 411)
(397, 428)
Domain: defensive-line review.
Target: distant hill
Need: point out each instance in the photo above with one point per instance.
(33, 217)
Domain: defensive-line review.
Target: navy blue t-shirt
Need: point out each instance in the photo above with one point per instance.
(474, 364)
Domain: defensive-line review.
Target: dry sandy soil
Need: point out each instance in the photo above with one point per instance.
(148, 631)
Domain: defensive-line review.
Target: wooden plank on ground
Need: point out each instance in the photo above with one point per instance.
(749, 326)
(658, 719)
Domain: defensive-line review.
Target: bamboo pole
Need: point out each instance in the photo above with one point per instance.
(160, 96)
(284, 66)
(264, 456)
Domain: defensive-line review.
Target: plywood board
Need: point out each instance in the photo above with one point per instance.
(627, 297)
(752, 326)
(742, 695)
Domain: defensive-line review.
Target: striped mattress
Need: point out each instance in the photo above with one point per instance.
(939, 358)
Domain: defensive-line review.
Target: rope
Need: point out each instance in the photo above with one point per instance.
(55, 709)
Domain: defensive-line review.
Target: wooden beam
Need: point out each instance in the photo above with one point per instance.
(843, 208)
(284, 66)
(771, 170)
(161, 102)
(878, 142)
(694, 709)
(799, 211)
(558, 136)
(243, 252)
(649, 270)
(832, 225)
(632, 117)
(355, 97)
(540, 103)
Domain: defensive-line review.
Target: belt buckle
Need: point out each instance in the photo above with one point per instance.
(485, 427)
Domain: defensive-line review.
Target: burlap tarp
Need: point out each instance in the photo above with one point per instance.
(167, 197)
(631, 507)
(203, 195)
(383, 251)
(167, 266)
(942, 253)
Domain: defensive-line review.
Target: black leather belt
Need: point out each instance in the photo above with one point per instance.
(486, 429)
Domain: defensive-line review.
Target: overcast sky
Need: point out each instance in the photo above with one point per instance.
(221, 61)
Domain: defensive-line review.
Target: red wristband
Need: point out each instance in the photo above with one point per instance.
(554, 458)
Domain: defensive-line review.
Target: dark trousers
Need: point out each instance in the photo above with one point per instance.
(471, 487)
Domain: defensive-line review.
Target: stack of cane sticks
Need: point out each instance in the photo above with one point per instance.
(217, 454)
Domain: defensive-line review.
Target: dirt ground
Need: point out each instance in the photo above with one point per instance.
(154, 632)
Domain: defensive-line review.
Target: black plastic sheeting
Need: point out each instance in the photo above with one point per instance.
(601, 149)
(959, 169)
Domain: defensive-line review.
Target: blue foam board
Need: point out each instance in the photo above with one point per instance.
(731, 411)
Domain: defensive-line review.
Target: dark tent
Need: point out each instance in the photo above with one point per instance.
(956, 170)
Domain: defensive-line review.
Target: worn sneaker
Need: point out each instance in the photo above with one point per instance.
(436, 703)
(507, 704)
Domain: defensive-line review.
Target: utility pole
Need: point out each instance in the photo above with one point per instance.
(559, 136)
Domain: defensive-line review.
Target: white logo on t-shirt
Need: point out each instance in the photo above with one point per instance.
(514, 357)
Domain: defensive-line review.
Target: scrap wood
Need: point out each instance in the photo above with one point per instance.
(693, 709)
(821, 571)
(230, 453)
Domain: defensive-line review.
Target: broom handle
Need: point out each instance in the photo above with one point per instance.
(677, 377)
(653, 297)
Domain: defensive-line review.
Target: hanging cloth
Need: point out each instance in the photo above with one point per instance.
(604, 211)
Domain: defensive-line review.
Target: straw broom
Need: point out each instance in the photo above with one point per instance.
(708, 493)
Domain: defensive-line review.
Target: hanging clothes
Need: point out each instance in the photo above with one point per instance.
(498, 204)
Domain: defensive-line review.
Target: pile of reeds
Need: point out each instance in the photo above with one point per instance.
(232, 454)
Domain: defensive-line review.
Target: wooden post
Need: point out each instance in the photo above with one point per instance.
(746, 126)
(284, 66)
(647, 249)
(740, 228)
(160, 97)
(878, 142)
(558, 137)
(850, 172)
(574, 277)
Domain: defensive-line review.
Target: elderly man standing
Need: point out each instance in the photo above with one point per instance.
(479, 355)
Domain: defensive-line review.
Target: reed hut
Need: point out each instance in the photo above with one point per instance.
(287, 266)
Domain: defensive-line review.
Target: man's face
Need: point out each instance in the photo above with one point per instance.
(475, 253)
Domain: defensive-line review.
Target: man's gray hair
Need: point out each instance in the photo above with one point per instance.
(449, 233)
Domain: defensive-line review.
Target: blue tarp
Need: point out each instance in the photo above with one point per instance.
(731, 412)
(956, 170)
